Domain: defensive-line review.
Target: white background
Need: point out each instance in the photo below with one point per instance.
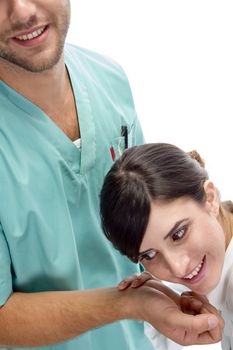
(178, 56)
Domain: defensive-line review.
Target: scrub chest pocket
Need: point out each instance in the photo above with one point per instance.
(121, 143)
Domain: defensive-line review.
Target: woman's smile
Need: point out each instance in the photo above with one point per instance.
(197, 274)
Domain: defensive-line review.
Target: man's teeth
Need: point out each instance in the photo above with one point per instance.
(32, 35)
(195, 272)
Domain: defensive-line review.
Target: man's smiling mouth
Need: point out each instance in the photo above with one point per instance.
(32, 35)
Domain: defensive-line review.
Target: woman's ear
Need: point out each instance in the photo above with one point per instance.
(212, 197)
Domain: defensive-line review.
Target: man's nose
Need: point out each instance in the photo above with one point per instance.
(178, 263)
(22, 11)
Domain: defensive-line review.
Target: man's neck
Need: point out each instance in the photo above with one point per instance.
(50, 90)
(45, 89)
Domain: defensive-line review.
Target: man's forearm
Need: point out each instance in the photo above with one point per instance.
(36, 319)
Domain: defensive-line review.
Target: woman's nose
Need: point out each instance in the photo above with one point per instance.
(22, 11)
(178, 264)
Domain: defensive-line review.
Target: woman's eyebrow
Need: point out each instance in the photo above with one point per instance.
(174, 228)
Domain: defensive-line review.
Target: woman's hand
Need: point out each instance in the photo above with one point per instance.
(146, 278)
(193, 304)
(136, 280)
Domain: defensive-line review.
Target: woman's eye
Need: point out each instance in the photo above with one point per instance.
(149, 255)
(179, 234)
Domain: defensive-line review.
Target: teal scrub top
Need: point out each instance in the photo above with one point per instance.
(50, 233)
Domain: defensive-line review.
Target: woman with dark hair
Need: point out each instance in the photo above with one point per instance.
(158, 207)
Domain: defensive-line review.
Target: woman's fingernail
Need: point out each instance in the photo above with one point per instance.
(122, 283)
(134, 283)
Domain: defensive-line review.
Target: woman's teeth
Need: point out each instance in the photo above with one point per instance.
(32, 35)
(195, 271)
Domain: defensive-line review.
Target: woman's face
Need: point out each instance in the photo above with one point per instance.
(184, 242)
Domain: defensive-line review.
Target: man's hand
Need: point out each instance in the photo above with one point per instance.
(194, 304)
(165, 310)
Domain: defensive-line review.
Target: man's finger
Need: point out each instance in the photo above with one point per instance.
(196, 329)
(211, 309)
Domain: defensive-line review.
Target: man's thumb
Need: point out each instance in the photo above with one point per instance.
(205, 322)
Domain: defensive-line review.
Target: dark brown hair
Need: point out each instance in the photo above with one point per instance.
(145, 173)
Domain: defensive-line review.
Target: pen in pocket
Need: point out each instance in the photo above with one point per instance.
(124, 133)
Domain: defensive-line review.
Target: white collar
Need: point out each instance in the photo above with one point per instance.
(77, 143)
(217, 295)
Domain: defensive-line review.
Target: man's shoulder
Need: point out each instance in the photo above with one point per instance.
(98, 73)
(93, 59)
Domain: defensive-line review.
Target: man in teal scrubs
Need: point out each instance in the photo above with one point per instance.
(65, 116)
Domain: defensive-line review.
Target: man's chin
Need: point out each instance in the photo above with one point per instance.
(38, 66)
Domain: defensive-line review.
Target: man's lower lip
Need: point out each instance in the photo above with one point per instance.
(200, 274)
(34, 41)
